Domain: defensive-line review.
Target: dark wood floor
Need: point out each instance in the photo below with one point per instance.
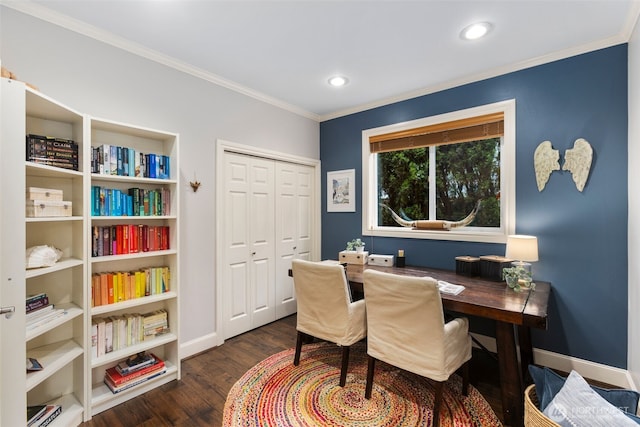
(198, 398)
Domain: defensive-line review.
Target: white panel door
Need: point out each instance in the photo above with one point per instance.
(236, 275)
(248, 257)
(294, 230)
(12, 271)
(261, 227)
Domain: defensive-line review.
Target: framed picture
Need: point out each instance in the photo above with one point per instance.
(341, 191)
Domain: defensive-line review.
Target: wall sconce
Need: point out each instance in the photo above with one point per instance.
(195, 184)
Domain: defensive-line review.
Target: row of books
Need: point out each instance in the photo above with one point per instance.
(117, 332)
(58, 152)
(112, 287)
(128, 239)
(135, 370)
(42, 415)
(109, 159)
(133, 202)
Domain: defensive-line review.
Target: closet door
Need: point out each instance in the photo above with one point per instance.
(249, 255)
(294, 229)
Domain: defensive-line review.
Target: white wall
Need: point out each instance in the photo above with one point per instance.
(633, 364)
(98, 79)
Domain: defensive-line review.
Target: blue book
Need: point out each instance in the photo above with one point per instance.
(132, 162)
(151, 166)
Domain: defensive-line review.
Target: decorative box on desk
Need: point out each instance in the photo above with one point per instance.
(491, 266)
(468, 266)
(381, 260)
(353, 257)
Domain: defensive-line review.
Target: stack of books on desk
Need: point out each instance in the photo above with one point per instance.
(133, 371)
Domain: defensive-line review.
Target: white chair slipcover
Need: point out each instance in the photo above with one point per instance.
(406, 329)
(325, 310)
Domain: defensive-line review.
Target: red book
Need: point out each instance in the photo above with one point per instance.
(117, 379)
(119, 238)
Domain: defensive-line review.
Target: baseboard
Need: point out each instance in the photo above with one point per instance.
(198, 345)
(595, 371)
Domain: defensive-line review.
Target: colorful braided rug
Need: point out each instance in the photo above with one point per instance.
(276, 393)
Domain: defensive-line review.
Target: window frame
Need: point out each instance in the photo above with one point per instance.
(370, 225)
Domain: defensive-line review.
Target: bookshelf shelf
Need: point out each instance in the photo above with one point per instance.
(116, 258)
(63, 264)
(45, 171)
(118, 355)
(97, 177)
(103, 398)
(71, 411)
(135, 302)
(72, 311)
(52, 357)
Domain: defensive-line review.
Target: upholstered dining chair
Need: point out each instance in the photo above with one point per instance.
(406, 328)
(325, 310)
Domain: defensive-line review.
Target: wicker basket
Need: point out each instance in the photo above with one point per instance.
(532, 415)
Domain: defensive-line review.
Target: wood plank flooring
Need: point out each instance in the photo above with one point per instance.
(198, 398)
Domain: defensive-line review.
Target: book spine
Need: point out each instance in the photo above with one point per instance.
(50, 417)
(36, 304)
(119, 379)
(115, 390)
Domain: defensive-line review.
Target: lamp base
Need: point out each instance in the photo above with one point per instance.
(527, 267)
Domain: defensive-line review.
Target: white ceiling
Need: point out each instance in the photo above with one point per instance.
(284, 51)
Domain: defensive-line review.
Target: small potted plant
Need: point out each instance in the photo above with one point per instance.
(517, 277)
(355, 245)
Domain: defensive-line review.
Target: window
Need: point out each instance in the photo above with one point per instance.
(447, 177)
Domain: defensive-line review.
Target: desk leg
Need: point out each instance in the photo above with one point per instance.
(526, 352)
(510, 382)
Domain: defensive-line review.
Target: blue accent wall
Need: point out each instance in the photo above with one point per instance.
(582, 235)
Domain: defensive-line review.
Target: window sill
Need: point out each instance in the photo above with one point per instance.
(470, 234)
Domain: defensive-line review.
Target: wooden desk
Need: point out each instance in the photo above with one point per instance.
(491, 300)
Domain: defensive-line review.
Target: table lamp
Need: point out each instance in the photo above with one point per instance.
(523, 249)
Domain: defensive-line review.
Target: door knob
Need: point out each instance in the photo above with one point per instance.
(9, 310)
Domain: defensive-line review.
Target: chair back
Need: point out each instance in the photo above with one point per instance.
(405, 322)
(325, 309)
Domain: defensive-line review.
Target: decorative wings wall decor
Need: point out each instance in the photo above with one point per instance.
(577, 161)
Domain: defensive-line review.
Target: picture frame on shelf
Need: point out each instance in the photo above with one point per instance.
(341, 191)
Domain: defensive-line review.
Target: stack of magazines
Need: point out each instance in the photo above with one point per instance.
(40, 311)
(134, 370)
(42, 415)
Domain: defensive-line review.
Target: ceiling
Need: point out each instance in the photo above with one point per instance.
(284, 52)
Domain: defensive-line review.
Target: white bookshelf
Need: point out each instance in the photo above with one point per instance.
(70, 376)
(165, 346)
(59, 344)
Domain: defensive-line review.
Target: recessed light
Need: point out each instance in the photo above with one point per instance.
(338, 81)
(475, 31)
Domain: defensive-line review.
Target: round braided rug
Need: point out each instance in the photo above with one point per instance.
(276, 393)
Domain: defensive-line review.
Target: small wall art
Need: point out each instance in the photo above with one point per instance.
(341, 191)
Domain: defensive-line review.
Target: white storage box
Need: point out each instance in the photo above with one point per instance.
(44, 208)
(381, 260)
(35, 193)
(353, 257)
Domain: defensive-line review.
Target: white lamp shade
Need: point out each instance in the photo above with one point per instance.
(522, 248)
